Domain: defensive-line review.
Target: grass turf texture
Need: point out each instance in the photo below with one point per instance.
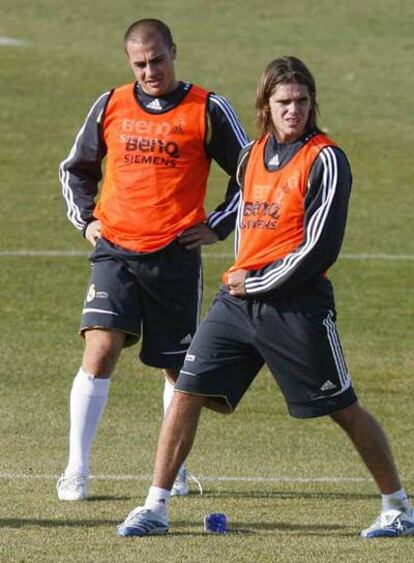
(361, 55)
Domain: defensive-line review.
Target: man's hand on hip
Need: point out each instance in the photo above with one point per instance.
(93, 232)
(235, 282)
(197, 235)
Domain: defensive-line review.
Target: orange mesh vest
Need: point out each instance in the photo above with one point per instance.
(271, 222)
(156, 170)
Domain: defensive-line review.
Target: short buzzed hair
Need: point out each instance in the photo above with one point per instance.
(148, 27)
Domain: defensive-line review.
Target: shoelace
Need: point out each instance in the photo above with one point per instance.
(71, 481)
(196, 481)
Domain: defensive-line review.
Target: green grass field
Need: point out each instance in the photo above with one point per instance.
(294, 491)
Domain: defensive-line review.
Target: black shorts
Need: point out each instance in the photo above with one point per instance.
(157, 295)
(295, 336)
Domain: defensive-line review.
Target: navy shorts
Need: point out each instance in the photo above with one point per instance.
(294, 335)
(157, 295)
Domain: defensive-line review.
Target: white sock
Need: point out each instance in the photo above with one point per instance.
(157, 501)
(167, 398)
(168, 394)
(395, 501)
(87, 402)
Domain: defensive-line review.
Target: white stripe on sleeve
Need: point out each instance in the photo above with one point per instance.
(232, 118)
(259, 284)
(73, 211)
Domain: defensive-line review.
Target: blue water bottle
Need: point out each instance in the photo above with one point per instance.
(216, 523)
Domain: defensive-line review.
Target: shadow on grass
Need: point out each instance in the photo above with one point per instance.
(236, 528)
(43, 523)
(106, 498)
(322, 529)
(240, 528)
(278, 495)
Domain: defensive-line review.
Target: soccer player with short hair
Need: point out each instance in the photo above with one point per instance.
(158, 137)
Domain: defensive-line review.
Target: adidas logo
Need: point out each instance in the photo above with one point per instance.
(155, 104)
(328, 385)
(186, 340)
(274, 161)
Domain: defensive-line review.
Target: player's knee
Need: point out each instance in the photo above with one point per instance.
(102, 350)
(349, 416)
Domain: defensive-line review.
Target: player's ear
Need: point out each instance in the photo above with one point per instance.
(173, 51)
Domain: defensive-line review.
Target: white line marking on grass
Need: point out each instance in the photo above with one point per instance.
(11, 42)
(363, 256)
(344, 256)
(70, 253)
(286, 479)
(281, 479)
(379, 256)
(42, 253)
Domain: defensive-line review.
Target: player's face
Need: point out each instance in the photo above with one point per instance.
(290, 105)
(152, 63)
